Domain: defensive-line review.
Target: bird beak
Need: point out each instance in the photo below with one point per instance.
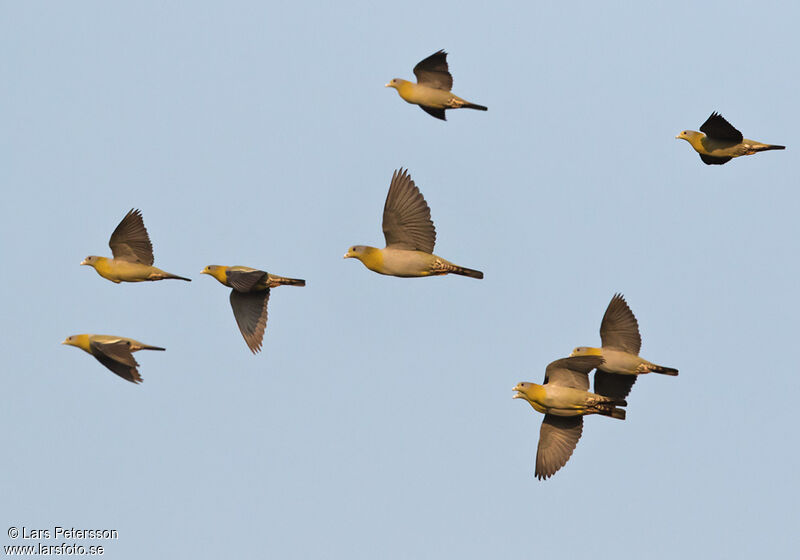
(65, 341)
(84, 262)
(388, 85)
(517, 394)
(204, 271)
(677, 137)
(346, 256)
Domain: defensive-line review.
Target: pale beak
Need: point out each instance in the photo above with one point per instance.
(388, 85)
(677, 137)
(84, 261)
(346, 256)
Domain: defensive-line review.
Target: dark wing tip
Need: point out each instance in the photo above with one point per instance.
(434, 112)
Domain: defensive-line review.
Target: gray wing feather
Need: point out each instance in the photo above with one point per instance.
(250, 312)
(117, 357)
(433, 72)
(242, 281)
(557, 440)
(571, 372)
(130, 241)
(407, 220)
(619, 329)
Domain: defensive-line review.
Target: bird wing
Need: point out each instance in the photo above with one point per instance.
(433, 72)
(434, 112)
(714, 160)
(614, 385)
(619, 329)
(718, 128)
(557, 440)
(407, 220)
(130, 241)
(244, 281)
(571, 372)
(250, 312)
(117, 357)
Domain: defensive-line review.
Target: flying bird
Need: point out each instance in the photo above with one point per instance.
(621, 341)
(133, 254)
(410, 237)
(564, 399)
(722, 142)
(432, 90)
(249, 297)
(114, 352)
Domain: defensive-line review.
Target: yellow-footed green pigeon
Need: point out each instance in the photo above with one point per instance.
(133, 254)
(249, 297)
(718, 141)
(564, 399)
(432, 90)
(114, 352)
(410, 236)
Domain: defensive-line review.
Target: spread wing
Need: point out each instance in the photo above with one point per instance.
(614, 385)
(557, 440)
(117, 357)
(433, 72)
(407, 220)
(250, 312)
(718, 128)
(244, 281)
(619, 329)
(130, 241)
(571, 372)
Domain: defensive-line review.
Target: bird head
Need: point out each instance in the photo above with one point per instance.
(531, 392)
(586, 351)
(356, 252)
(91, 261)
(218, 272)
(688, 135)
(520, 389)
(395, 83)
(78, 340)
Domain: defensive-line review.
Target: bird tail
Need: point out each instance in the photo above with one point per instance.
(482, 108)
(766, 147)
(466, 272)
(289, 281)
(608, 407)
(618, 413)
(176, 277)
(148, 347)
(664, 370)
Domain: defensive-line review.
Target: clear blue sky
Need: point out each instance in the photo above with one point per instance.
(378, 420)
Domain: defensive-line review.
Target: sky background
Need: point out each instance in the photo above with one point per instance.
(378, 421)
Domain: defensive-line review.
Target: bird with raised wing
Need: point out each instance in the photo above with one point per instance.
(249, 297)
(564, 399)
(620, 345)
(133, 254)
(718, 141)
(114, 352)
(432, 90)
(410, 237)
